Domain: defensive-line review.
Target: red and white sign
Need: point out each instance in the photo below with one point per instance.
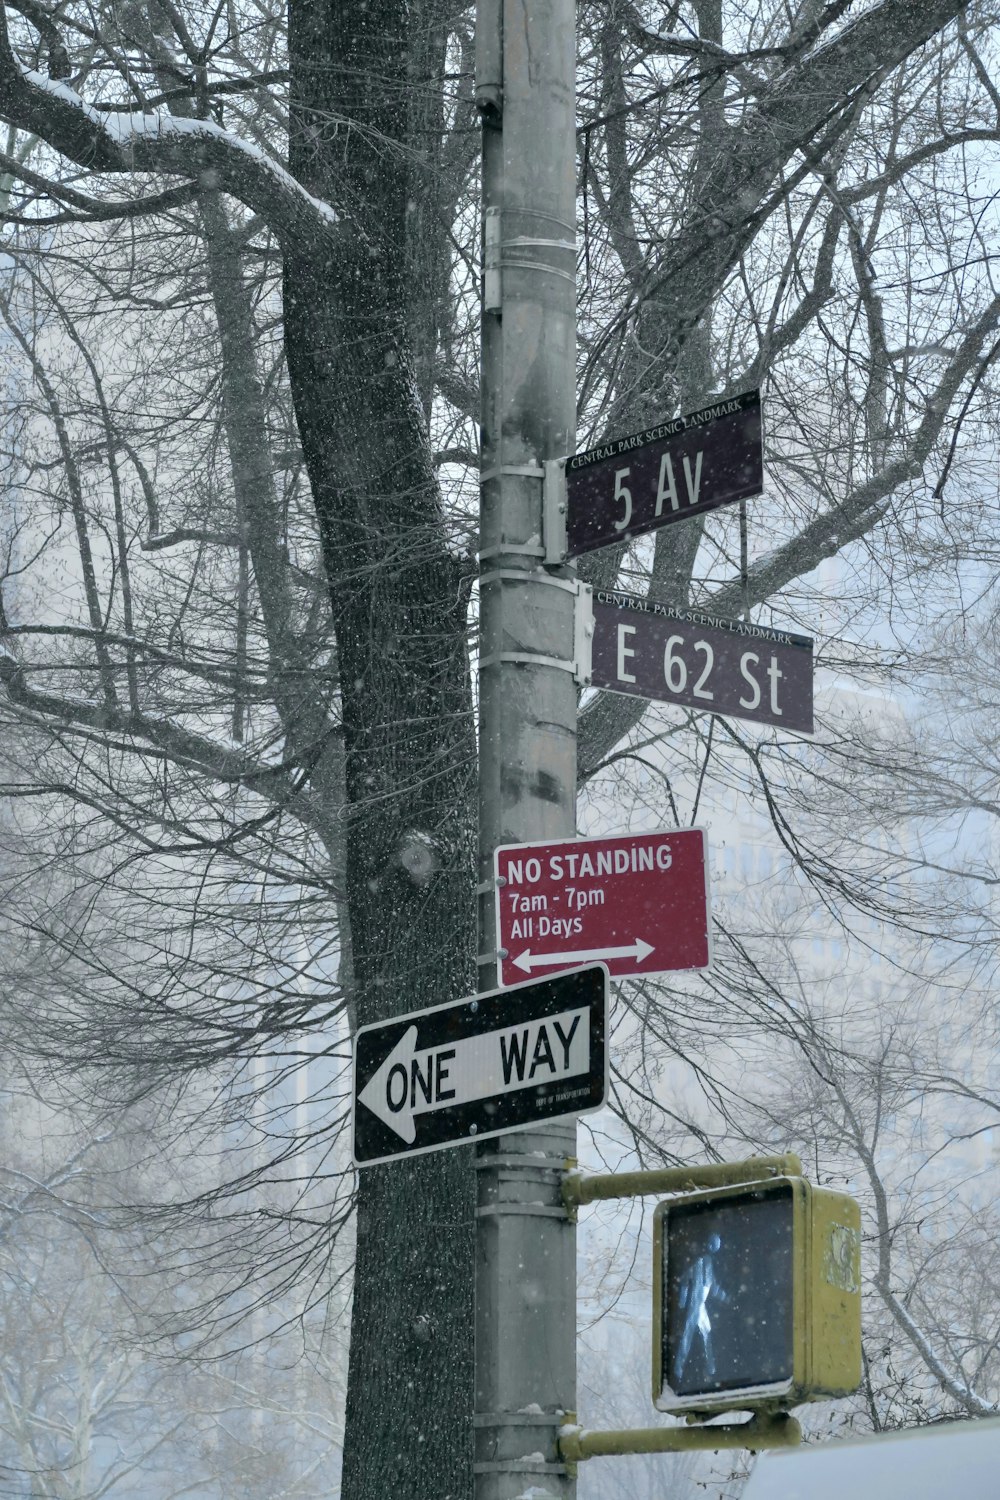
(638, 903)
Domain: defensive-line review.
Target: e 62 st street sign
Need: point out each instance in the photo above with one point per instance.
(668, 473)
(480, 1066)
(701, 661)
(635, 902)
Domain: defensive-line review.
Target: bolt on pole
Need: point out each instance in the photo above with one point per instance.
(525, 1243)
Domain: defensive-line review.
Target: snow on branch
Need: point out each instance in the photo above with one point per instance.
(957, 1387)
(162, 143)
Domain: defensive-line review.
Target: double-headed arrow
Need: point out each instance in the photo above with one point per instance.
(528, 960)
(413, 1081)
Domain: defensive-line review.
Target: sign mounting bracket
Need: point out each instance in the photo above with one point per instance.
(583, 626)
(554, 506)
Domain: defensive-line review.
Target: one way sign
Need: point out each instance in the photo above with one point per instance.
(480, 1066)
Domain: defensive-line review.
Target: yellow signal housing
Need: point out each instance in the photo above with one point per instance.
(756, 1297)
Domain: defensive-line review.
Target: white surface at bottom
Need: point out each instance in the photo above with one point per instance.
(949, 1461)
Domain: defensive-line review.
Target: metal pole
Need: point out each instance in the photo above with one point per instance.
(525, 1246)
(764, 1430)
(579, 1188)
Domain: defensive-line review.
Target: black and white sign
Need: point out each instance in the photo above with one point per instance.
(701, 661)
(480, 1066)
(668, 473)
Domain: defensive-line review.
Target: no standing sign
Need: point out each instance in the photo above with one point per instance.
(637, 903)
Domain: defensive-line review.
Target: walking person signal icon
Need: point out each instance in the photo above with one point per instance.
(698, 1292)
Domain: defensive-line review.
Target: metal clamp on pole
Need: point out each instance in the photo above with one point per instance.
(581, 663)
(524, 471)
(504, 548)
(521, 575)
(530, 659)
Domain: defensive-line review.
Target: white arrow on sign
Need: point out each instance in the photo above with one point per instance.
(411, 1082)
(528, 960)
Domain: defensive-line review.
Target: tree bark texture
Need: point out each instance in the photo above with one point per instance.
(399, 605)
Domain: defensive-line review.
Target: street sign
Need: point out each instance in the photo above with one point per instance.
(702, 661)
(481, 1066)
(679, 469)
(637, 903)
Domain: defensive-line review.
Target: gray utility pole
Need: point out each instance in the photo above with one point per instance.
(526, 1246)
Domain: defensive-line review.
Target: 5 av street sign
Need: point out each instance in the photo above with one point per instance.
(701, 661)
(480, 1066)
(637, 903)
(668, 473)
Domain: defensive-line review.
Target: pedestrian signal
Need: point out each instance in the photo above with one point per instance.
(756, 1297)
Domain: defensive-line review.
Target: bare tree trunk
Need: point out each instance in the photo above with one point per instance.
(399, 606)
